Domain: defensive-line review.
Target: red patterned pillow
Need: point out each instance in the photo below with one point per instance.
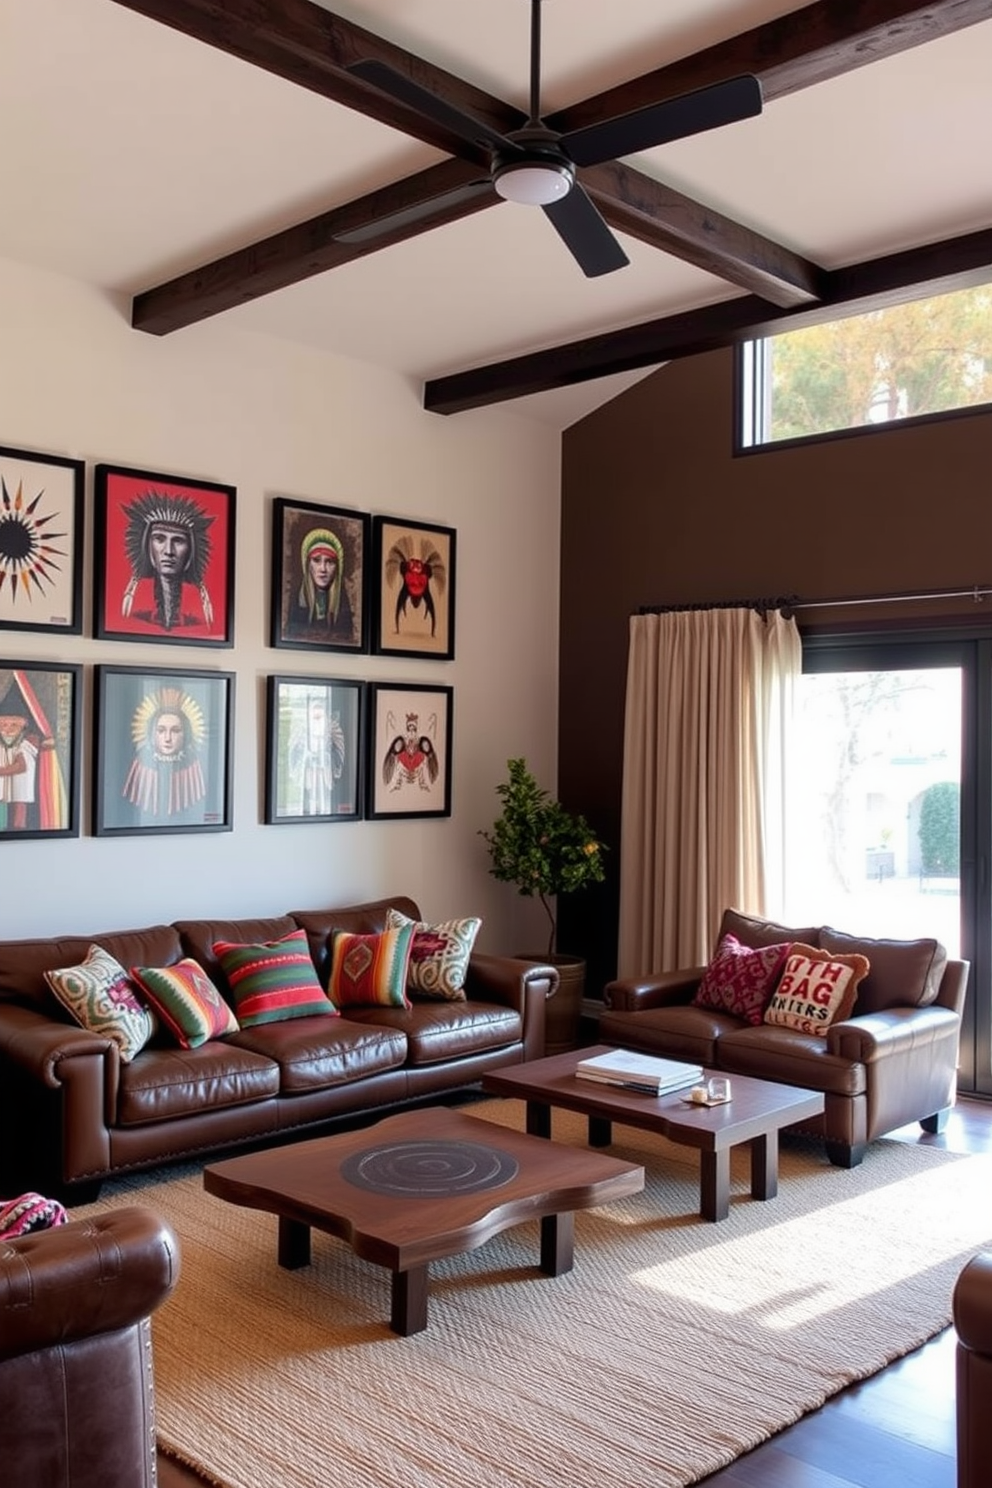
(741, 980)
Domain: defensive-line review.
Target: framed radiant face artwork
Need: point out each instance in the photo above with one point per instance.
(164, 558)
(41, 542)
(162, 751)
(415, 579)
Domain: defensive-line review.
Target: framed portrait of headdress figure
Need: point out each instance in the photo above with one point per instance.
(320, 573)
(415, 589)
(409, 750)
(39, 749)
(163, 558)
(314, 761)
(41, 542)
(162, 751)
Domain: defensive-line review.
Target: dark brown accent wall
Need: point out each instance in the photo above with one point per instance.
(656, 509)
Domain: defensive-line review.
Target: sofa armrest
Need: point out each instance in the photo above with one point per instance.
(522, 985)
(38, 1044)
(87, 1277)
(896, 1031)
(666, 989)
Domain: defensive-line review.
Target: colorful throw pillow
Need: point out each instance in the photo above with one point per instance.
(740, 980)
(439, 955)
(816, 989)
(272, 981)
(102, 998)
(187, 1002)
(370, 970)
(30, 1212)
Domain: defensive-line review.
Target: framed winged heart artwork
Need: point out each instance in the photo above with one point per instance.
(409, 768)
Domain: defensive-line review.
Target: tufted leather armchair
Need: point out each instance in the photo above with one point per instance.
(973, 1323)
(76, 1400)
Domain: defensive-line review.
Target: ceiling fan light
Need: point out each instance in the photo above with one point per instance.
(534, 184)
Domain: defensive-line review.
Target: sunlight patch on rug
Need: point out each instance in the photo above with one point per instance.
(672, 1347)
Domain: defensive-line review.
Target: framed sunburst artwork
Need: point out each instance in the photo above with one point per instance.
(41, 542)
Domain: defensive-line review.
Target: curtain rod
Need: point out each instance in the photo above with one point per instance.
(790, 602)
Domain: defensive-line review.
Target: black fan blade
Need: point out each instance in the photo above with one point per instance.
(423, 101)
(420, 211)
(584, 233)
(658, 123)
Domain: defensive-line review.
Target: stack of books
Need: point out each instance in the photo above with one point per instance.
(630, 1071)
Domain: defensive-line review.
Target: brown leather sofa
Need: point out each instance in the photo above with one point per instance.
(973, 1324)
(76, 1388)
(894, 1060)
(82, 1115)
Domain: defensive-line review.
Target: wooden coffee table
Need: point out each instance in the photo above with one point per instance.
(421, 1186)
(756, 1113)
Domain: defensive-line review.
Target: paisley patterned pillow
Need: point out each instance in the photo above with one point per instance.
(740, 980)
(102, 998)
(439, 955)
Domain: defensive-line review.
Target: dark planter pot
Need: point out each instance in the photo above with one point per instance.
(565, 1007)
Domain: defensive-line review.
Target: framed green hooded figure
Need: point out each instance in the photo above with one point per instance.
(319, 577)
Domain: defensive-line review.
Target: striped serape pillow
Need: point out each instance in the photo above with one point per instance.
(272, 981)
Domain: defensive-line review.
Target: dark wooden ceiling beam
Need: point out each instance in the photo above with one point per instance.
(432, 197)
(807, 46)
(665, 219)
(873, 285)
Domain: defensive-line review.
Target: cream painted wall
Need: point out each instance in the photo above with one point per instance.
(274, 418)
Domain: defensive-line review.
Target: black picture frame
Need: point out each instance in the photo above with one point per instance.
(409, 726)
(177, 595)
(306, 616)
(162, 751)
(40, 709)
(415, 571)
(41, 542)
(314, 750)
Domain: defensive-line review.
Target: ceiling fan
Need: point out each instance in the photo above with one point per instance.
(536, 166)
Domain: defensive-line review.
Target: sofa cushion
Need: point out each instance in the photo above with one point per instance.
(168, 1083)
(186, 1001)
(740, 979)
(273, 981)
(439, 955)
(904, 973)
(752, 930)
(321, 1053)
(23, 963)
(198, 938)
(439, 1031)
(102, 998)
(370, 970)
(815, 990)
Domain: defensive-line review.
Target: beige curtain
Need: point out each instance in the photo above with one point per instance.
(709, 701)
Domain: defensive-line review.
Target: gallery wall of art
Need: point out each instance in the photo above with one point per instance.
(251, 462)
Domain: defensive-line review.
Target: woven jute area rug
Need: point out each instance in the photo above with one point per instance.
(672, 1347)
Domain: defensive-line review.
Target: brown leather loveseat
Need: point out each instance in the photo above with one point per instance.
(973, 1324)
(892, 1061)
(76, 1389)
(78, 1113)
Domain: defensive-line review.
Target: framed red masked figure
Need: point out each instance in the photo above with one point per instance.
(163, 559)
(415, 597)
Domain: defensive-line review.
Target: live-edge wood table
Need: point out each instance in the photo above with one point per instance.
(756, 1113)
(420, 1186)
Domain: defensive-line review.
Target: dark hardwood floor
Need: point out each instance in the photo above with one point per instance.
(895, 1430)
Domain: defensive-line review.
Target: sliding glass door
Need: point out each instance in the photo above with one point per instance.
(890, 833)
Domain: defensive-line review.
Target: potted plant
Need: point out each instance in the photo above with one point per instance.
(546, 851)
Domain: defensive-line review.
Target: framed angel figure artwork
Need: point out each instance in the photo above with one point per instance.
(41, 542)
(409, 769)
(415, 596)
(315, 763)
(320, 569)
(163, 559)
